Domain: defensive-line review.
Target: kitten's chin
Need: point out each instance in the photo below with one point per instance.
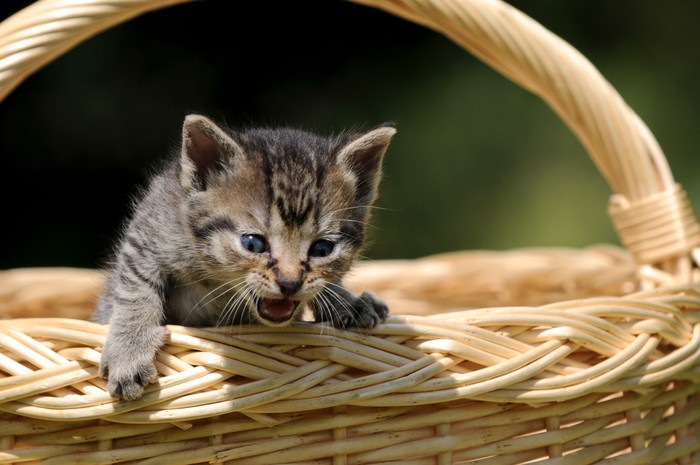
(277, 312)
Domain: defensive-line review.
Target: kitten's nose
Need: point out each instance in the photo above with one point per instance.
(288, 286)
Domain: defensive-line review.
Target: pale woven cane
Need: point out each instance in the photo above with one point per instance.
(601, 367)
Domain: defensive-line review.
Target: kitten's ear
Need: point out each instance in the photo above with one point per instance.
(363, 157)
(204, 145)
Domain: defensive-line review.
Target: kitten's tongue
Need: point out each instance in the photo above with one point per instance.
(277, 309)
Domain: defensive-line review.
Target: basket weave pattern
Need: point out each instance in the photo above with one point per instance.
(531, 356)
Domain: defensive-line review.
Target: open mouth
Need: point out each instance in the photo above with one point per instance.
(277, 310)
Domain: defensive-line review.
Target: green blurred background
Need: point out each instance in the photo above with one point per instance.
(478, 163)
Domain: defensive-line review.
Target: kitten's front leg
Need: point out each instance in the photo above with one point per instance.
(343, 309)
(135, 313)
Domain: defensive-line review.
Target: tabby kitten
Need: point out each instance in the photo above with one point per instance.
(241, 227)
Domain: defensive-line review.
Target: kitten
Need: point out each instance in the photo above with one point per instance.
(240, 227)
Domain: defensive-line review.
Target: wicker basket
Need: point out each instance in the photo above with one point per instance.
(612, 379)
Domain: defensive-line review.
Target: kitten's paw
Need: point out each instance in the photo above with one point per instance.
(127, 382)
(128, 372)
(366, 312)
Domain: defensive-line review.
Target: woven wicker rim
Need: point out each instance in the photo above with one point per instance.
(591, 363)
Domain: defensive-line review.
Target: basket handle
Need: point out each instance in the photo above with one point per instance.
(650, 211)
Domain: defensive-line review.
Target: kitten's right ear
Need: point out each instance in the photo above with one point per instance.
(204, 145)
(363, 157)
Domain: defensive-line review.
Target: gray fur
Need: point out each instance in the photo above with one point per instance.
(182, 257)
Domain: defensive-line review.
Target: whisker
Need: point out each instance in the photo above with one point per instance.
(248, 297)
(231, 309)
(363, 223)
(222, 317)
(322, 309)
(328, 215)
(341, 300)
(199, 303)
(328, 309)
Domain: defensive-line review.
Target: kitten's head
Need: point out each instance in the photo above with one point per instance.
(280, 213)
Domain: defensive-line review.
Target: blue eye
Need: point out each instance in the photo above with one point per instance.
(254, 243)
(321, 248)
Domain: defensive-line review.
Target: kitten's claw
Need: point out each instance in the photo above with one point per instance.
(366, 312)
(129, 372)
(129, 383)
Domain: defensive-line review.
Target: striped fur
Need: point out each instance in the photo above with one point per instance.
(240, 227)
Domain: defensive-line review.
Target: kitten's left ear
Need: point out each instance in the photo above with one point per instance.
(204, 146)
(363, 156)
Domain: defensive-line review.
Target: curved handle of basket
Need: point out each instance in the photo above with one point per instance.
(651, 212)
(47, 29)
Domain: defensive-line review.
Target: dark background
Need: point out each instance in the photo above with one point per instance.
(477, 163)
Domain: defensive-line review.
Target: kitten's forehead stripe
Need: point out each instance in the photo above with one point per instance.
(269, 194)
(293, 165)
(220, 223)
(293, 214)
